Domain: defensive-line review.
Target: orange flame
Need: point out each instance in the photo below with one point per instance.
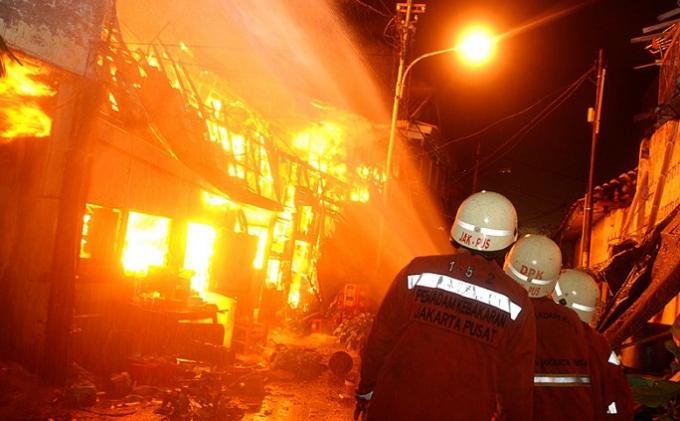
(146, 243)
(322, 146)
(198, 254)
(20, 113)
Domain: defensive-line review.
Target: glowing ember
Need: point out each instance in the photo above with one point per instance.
(20, 113)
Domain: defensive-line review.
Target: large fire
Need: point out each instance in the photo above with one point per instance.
(146, 243)
(310, 166)
(323, 146)
(20, 92)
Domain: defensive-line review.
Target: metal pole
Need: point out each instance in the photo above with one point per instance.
(588, 201)
(398, 93)
(398, 89)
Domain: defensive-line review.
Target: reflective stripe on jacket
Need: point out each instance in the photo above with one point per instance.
(454, 339)
(563, 376)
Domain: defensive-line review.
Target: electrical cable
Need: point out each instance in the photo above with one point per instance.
(495, 123)
(368, 6)
(542, 116)
(387, 9)
(513, 140)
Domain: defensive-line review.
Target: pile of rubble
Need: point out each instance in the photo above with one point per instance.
(213, 385)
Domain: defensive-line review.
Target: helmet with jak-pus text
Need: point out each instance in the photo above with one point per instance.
(485, 221)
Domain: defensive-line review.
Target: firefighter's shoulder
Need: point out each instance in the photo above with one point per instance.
(429, 263)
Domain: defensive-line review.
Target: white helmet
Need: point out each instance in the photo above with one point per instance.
(579, 291)
(534, 261)
(485, 221)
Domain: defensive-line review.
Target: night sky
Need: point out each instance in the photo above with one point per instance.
(546, 170)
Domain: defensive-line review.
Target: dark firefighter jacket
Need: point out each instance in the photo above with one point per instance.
(614, 396)
(563, 387)
(454, 339)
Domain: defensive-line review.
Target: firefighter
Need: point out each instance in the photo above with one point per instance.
(578, 290)
(562, 376)
(454, 337)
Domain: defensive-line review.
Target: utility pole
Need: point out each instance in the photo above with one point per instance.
(410, 11)
(594, 118)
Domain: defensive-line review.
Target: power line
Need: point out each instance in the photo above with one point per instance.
(387, 9)
(493, 124)
(503, 119)
(546, 112)
(368, 6)
(513, 140)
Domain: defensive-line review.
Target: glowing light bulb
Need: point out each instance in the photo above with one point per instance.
(476, 45)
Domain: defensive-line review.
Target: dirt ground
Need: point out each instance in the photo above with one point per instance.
(274, 394)
(312, 400)
(325, 397)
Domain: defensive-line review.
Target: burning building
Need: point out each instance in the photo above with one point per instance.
(140, 189)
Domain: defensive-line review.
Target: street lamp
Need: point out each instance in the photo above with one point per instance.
(475, 47)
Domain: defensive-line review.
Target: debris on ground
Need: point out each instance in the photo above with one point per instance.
(299, 378)
(120, 385)
(303, 363)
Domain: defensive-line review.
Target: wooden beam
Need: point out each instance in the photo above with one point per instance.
(663, 286)
(658, 26)
(655, 63)
(669, 14)
(57, 358)
(644, 38)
